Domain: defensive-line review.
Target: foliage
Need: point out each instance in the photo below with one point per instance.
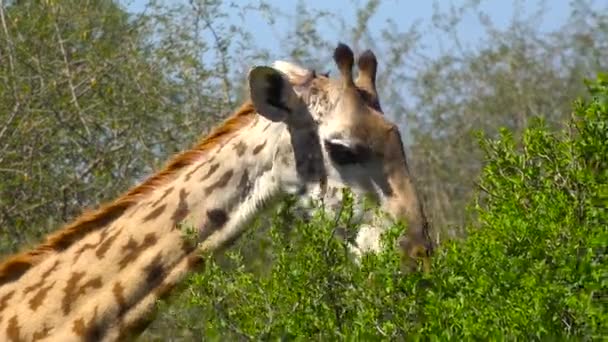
(512, 75)
(90, 104)
(93, 99)
(533, 267)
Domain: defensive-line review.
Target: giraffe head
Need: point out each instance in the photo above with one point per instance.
(337, 137)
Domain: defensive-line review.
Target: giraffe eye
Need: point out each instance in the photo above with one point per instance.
(343, 154)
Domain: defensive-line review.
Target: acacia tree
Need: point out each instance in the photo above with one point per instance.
(93, 99)
(517, 73)
(73, 131)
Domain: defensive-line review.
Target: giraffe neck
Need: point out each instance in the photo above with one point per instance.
(105, 284)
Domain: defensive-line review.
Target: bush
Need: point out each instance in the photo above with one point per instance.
(533, 266)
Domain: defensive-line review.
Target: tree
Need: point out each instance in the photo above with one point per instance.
(92, 100)
(516, 73)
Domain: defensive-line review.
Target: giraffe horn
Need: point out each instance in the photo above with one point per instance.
(368, 66)
(344, 58)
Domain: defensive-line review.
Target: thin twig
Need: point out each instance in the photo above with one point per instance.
(13, 171)
(10, 119)
(70, 83)
(11, 63)
(484, 189)
(221, 51)
(10, 46)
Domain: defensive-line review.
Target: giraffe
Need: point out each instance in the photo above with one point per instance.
(370, 226)
(98, 277)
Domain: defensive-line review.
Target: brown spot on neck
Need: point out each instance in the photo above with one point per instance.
(240, 148)
(39, 297)
(182, 208)
(134, 210)
(189, 174)
(222, 182)
(216, 219)
(4, 300)
(42, 333)
(258, 148)
(118, 291)
(225, 143)
(13, 330)
(88, 246)
(89, 331)
(155, 213)
(105, 246)
(165, 194)
(212, 169)
(154, 271)
(244, 184)
(133, 249)
(72, 291)
(42, 278)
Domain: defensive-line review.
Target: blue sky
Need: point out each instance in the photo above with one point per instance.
(405, 13)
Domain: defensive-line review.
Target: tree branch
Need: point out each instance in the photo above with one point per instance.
(70, 83)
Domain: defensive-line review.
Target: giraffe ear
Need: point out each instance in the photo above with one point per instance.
(271, 93)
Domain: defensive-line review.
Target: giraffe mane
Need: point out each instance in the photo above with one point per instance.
(17, 264)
